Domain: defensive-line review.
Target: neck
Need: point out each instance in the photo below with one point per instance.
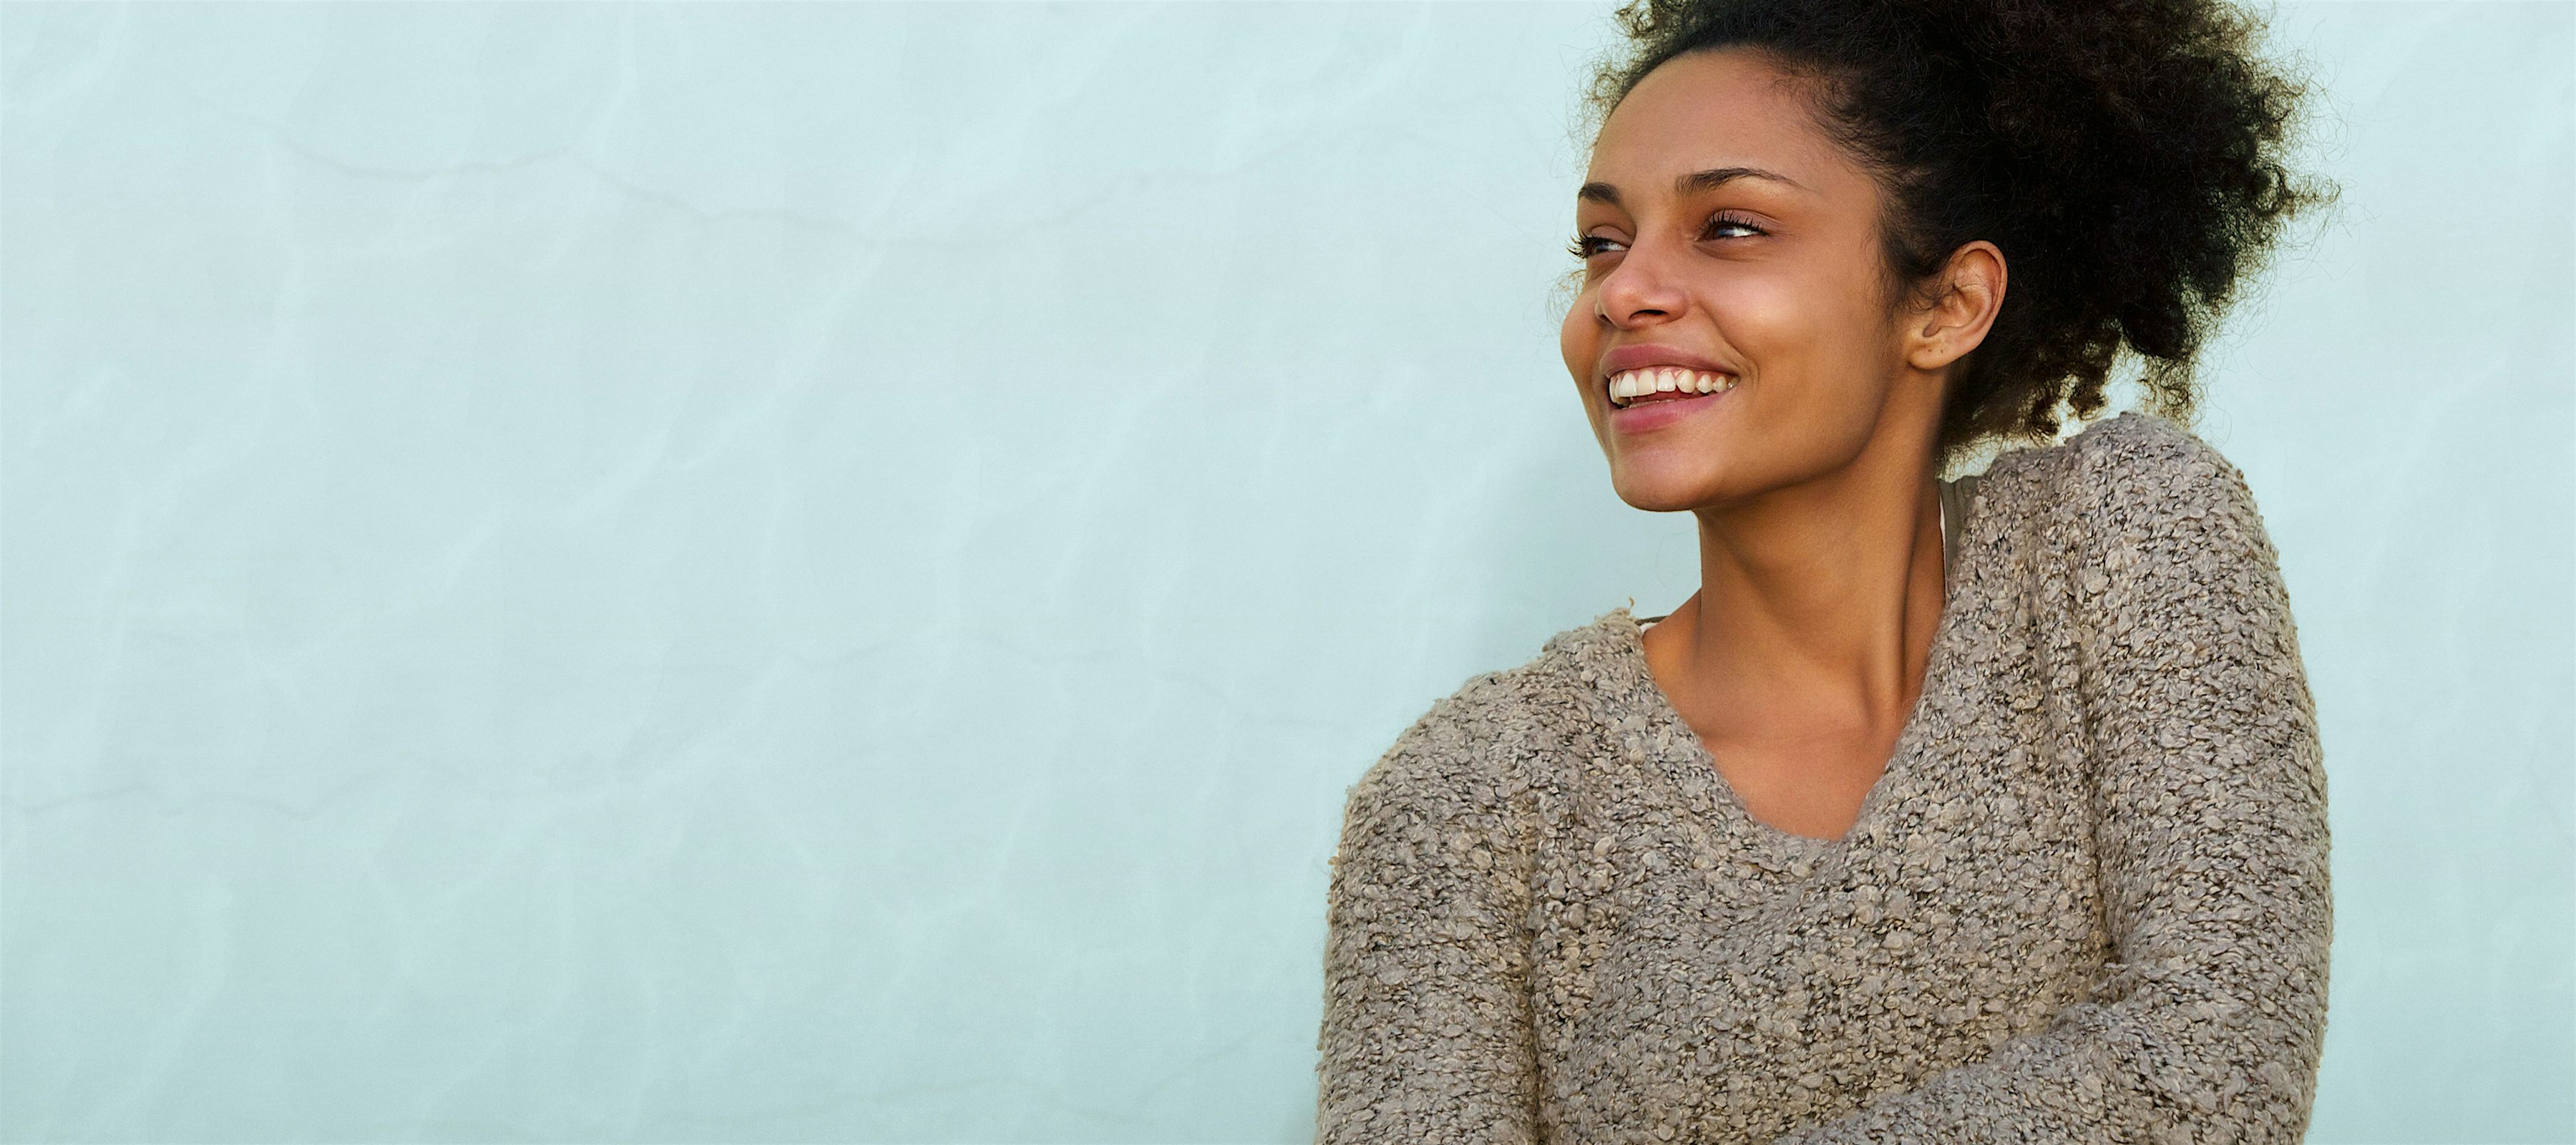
(1820, 598)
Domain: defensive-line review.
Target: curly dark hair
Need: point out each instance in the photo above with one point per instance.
(2127, 156)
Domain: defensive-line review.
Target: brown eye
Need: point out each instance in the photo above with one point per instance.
(1723, 219)
(1583, 246)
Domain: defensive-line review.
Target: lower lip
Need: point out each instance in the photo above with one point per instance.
(1647, 416)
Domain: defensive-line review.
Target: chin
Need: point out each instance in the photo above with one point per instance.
(1663, 492)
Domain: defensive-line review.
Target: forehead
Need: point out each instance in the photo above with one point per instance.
(1722, 108)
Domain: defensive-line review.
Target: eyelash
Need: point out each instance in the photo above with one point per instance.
(1581, 247)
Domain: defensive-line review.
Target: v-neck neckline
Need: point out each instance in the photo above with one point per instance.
(1693, 770)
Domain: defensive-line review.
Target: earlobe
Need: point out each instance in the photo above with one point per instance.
(1946, 335)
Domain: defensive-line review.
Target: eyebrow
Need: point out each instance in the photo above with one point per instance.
(1690, 184)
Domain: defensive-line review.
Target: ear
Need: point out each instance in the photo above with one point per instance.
(1957, 321)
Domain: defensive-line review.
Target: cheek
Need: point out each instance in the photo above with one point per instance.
(1774, 319)
(1577, 338)
(1793, 327)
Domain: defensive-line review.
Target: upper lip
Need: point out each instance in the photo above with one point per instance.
(1627, 358)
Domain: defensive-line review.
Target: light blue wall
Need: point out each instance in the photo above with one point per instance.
(718, 573)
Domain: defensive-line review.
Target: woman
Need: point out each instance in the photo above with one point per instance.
(1987, 810)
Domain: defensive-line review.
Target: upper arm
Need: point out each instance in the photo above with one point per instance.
(2188, 647)
(2209, 782)
(1426, 1034)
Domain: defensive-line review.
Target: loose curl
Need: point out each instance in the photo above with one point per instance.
(2127, 156)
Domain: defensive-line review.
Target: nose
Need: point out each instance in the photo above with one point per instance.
(1639, 291)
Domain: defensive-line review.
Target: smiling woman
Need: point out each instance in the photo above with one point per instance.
(1978, 809)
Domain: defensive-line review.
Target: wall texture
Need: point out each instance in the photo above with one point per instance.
(742, 573)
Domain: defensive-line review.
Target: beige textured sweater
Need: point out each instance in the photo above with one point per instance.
(2087, 901)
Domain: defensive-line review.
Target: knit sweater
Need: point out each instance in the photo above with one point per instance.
(2086, 901)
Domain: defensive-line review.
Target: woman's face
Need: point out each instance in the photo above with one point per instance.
(1769, 278)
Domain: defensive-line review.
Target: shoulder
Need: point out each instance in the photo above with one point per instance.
(1451, 736)
(2138, 472)
(2169, 525)
(2131, 453)
(2133, 512)
(1484, 741)
(2132, 473)
(1448, 776)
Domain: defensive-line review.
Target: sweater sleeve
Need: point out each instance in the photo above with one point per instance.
(1426, 1032)
(2208, 1021)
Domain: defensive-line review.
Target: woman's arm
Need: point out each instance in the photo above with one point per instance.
(1426, 1034)
(2211, 802)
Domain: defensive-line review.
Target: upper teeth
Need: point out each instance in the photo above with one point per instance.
(1665, 379)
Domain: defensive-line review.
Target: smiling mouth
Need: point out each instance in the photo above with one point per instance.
(1667, 383)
